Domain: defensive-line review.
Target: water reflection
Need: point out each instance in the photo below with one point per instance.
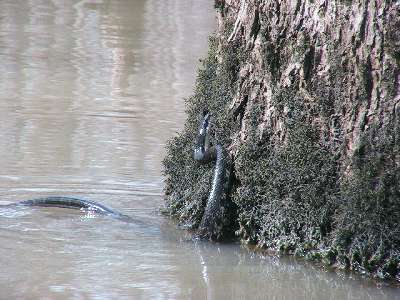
(114, 72)
(101, 258)
(89, 93)
(251, 276)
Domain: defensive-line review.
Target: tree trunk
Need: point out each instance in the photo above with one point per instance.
(306, 97)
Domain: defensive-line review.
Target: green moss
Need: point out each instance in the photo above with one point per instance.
(329, 256)
(285, 187)
(314, 256)
(391, 267)
(188, 183)
(219, 5)
(368, 219)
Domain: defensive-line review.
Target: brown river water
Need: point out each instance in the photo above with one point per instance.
(89, 93)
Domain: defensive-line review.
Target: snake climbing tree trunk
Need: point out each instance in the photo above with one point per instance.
(305, 97)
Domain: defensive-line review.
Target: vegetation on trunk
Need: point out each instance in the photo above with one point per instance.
(305, 96)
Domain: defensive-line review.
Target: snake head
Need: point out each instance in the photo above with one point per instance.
(205, 123)
(203, 139)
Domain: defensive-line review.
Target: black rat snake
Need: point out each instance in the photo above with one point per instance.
(70, 202)
(203, 153)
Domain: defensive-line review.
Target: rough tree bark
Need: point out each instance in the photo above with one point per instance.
(306, 97)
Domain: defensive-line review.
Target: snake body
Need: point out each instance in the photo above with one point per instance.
(203, 153)
(70, 202)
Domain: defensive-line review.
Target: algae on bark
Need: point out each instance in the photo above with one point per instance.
(305, 96)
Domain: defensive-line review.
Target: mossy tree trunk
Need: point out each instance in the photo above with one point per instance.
(305, 95)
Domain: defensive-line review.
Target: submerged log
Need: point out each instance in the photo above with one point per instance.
(305, 96)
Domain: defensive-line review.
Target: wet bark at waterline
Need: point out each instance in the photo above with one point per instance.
(305, 97)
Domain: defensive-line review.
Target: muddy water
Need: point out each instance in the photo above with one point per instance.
(89, 93)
